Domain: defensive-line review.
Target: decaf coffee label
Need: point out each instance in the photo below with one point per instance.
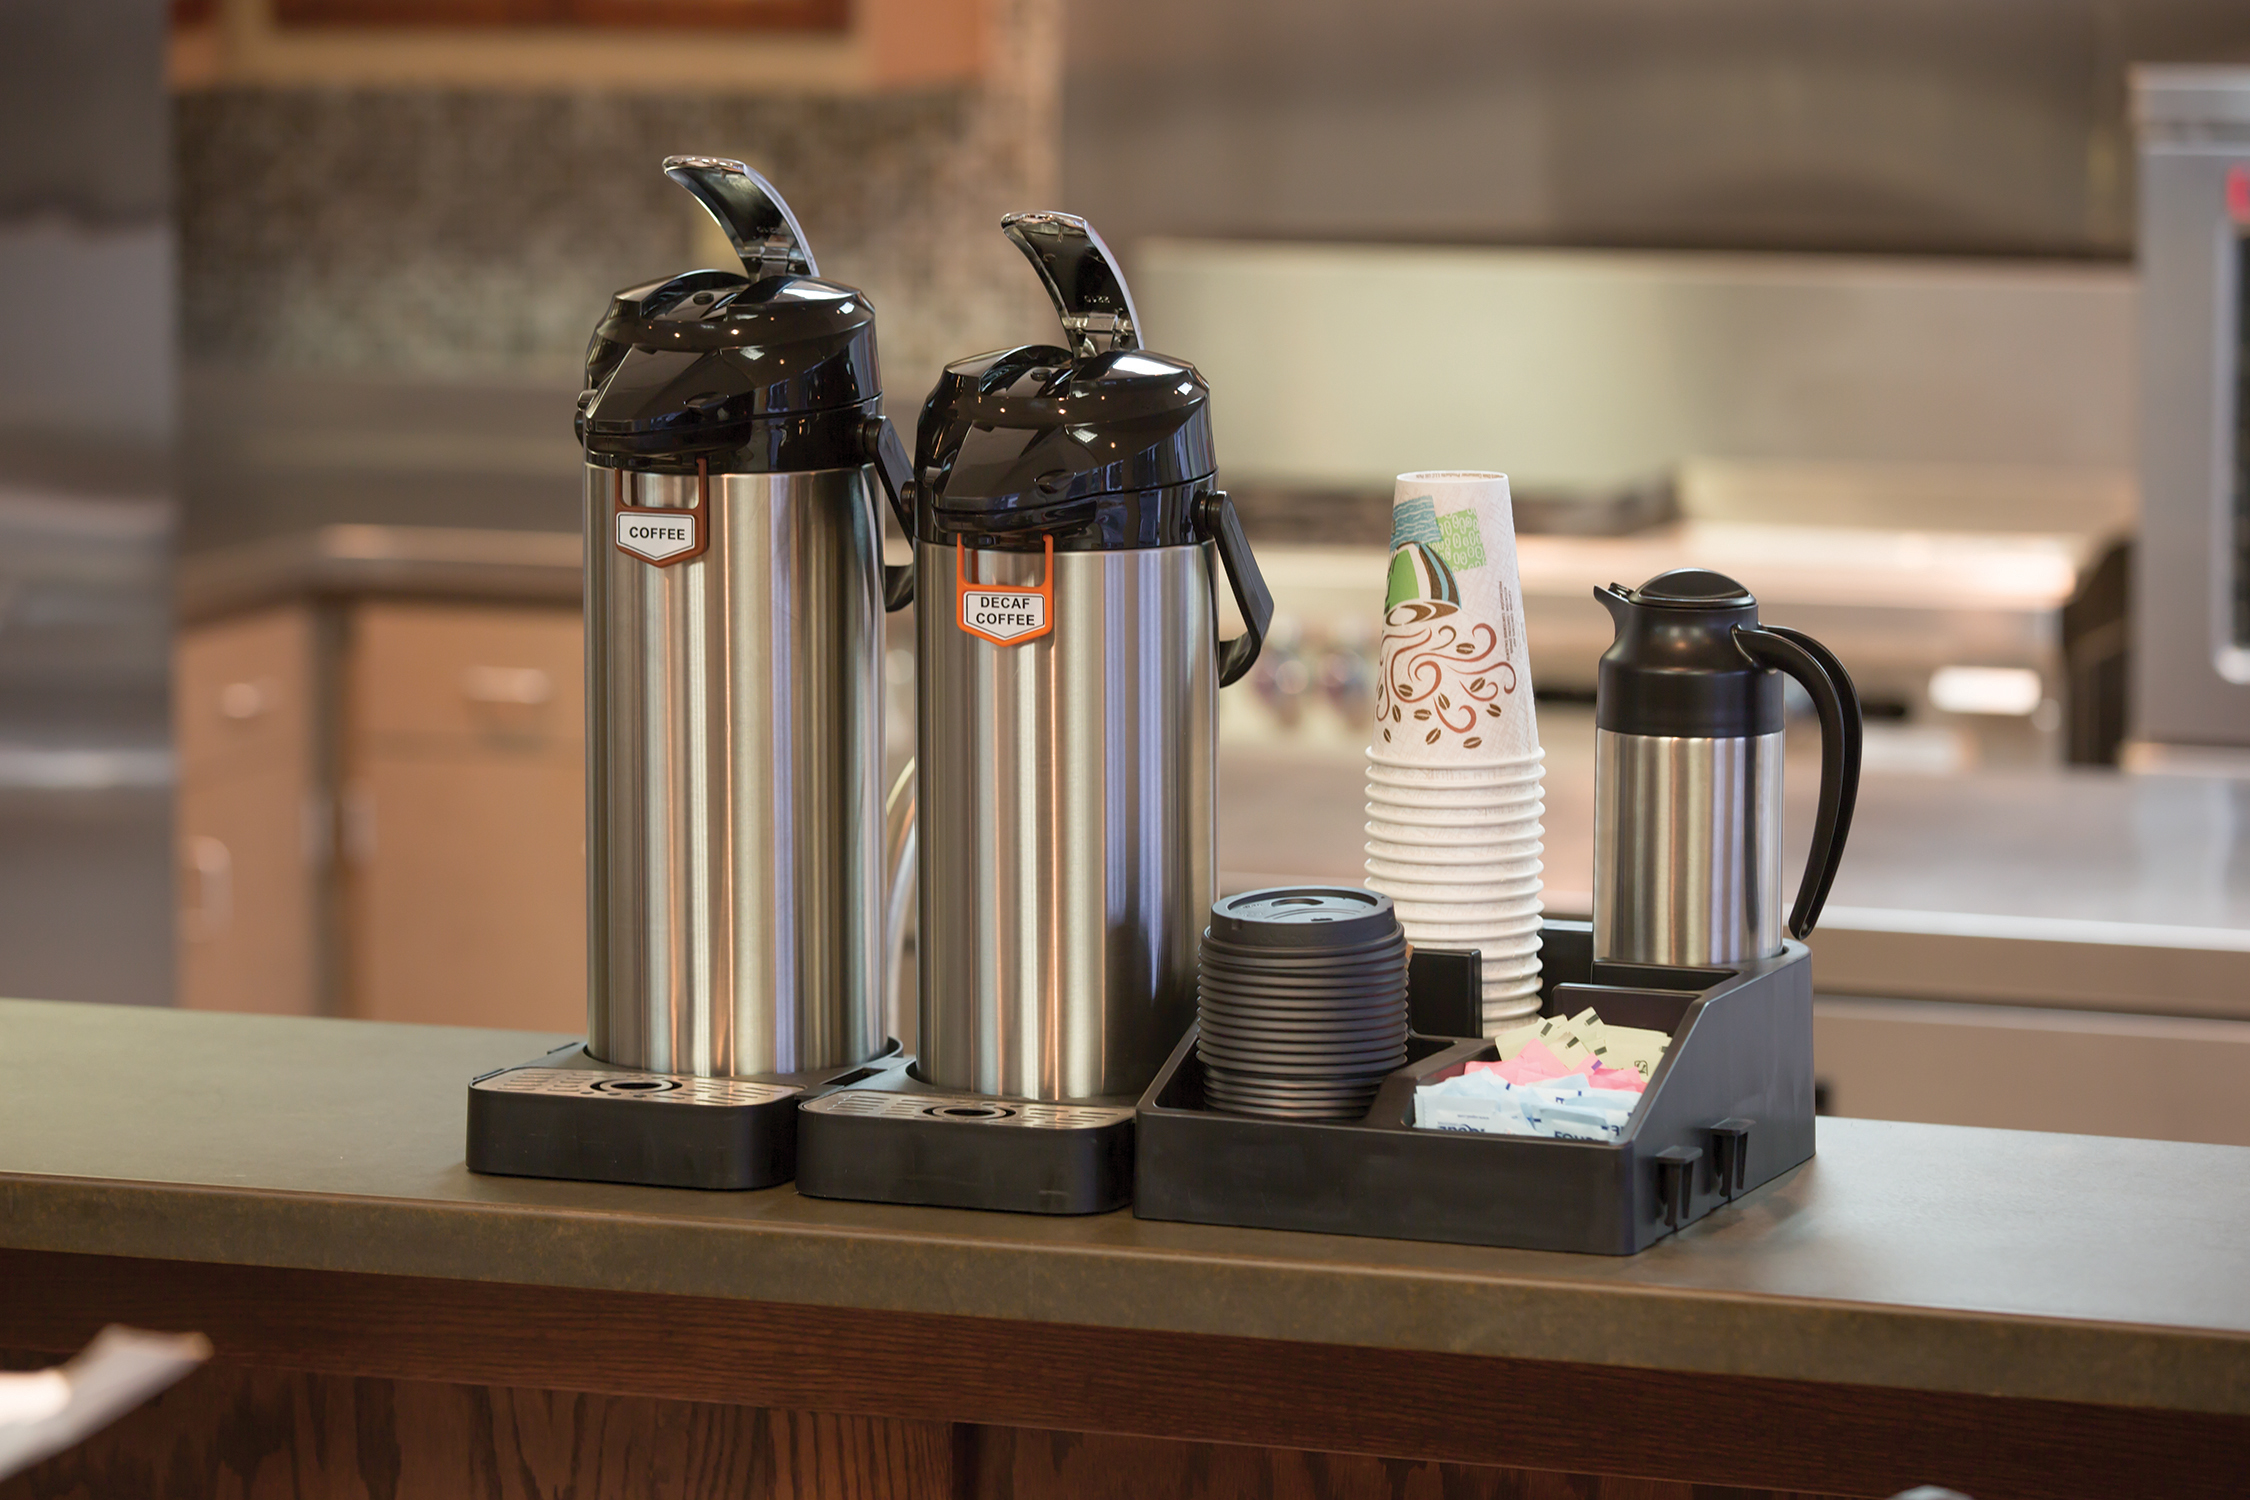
(1003, 615)
(660, 536)
(1455, 677)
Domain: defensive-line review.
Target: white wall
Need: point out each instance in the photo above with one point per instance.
(1340, 366)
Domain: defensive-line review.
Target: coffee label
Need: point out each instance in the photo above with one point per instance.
(660, 536)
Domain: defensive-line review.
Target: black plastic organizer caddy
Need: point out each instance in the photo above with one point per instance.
(1729, 1108)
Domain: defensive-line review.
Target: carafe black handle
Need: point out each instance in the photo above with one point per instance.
(879, 444)
(1837, 702)
(1219, 523)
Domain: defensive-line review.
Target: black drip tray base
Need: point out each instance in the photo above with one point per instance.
(570, 1115)
(897, 1139)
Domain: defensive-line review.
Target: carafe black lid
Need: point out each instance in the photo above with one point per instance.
(1103, 444)
(696, 365)
(1694, 588)
(1675, 668)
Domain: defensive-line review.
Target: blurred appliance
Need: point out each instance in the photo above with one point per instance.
(1953, 639)
(1687, 774)
(87, 318)
(735, 595)
(2191, 594)
(1068, 534)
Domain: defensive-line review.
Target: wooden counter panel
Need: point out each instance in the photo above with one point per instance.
(1438, 1408)
(233, 1430)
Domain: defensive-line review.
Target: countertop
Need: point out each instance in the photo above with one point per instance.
(2079, 888)
(1926, 1258)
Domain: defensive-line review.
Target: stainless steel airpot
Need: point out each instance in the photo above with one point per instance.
(735, 593)
(1069, 533)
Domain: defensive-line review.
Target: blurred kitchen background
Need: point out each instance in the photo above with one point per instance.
(1856, 302)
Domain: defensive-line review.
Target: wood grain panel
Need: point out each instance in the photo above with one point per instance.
(231, 1431)
(1704, 1429)
(999, 1463)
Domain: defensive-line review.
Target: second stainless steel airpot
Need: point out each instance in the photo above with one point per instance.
(1069, 532)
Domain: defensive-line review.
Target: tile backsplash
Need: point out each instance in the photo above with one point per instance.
(477, 234)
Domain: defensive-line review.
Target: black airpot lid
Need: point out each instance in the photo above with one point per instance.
(1028, 430)
(691, 364)
(1034, 439)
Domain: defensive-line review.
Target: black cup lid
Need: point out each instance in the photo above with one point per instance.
(1304, 916)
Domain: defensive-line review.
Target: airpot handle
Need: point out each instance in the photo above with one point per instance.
(1837, 701)
(756, 219)
(1251, 596)
(895, 473)
(1082, 277)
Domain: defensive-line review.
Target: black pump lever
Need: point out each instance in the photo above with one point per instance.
(1081, 276)
(756, 219)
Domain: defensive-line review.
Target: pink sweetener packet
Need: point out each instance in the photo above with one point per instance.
(1629, 1079)
(1533, 1064)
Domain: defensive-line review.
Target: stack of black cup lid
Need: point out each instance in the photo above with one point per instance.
(1301, 1002)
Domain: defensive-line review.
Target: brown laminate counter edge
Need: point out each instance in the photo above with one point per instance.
(1917, 1257)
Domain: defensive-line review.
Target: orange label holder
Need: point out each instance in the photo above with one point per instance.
(1044, 592)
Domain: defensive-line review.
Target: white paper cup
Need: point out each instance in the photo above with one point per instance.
(1490, 890)
(1488, 816)
(1465, 927)
(1516, 865)
(1496, 836)
(1508, 965)
(1494, 946)
(1497, 772)
(1533, 790)
(1492, 914)
(1439, 856)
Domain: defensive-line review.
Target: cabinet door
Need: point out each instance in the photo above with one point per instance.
(248, 921)
(464, 818)
(468, 890)
(249, 816)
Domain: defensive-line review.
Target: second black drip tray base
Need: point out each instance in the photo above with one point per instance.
(896, 1139)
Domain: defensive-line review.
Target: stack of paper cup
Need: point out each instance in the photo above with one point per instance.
(1454, 798)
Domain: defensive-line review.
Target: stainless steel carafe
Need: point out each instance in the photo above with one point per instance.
(735, 594)
(1687, 774)
(1068, 533)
